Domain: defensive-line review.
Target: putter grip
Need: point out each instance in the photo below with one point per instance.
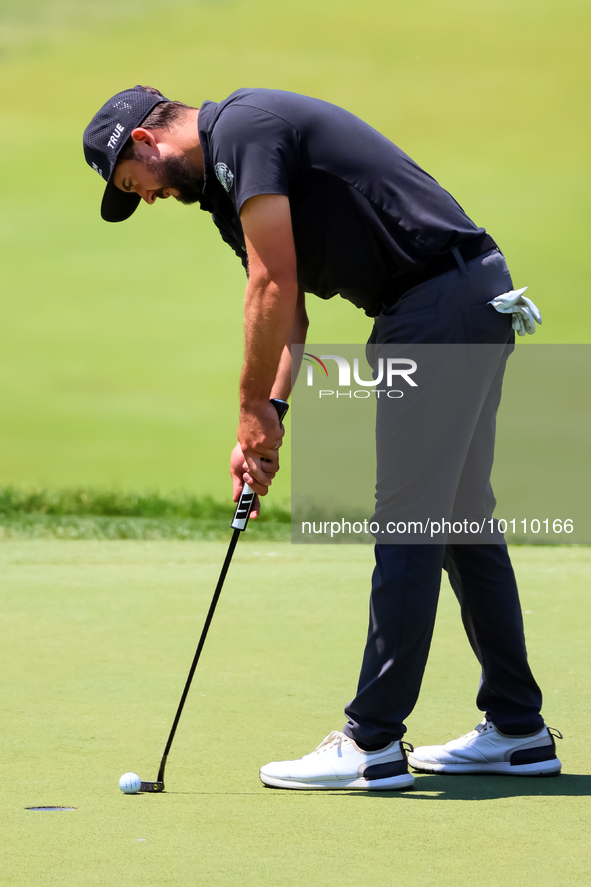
(246, 500)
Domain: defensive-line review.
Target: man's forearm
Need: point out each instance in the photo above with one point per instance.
(269, 311)
(269, 315)
(287, 369)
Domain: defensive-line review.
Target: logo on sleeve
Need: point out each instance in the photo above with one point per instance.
(225, 176)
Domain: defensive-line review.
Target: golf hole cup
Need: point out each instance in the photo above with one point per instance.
(130, 783)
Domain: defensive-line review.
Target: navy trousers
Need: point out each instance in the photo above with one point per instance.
(449, 309)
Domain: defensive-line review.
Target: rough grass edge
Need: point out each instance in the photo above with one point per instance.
(86, 513)
(38, 526)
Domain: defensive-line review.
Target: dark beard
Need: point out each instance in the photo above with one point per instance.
(177, 173)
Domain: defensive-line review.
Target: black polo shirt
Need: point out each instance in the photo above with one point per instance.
(366, 219)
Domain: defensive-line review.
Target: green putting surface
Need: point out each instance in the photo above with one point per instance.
(97, 640)
(120, 351)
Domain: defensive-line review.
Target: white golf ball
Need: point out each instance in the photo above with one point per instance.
(130, 783)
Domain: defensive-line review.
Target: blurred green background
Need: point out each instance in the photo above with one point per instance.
(120, 345)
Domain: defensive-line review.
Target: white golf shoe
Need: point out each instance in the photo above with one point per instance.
(339, 763)
(486, 750)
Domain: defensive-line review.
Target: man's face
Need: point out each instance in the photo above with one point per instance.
(153, 174)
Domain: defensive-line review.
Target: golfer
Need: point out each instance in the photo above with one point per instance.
(313, 200)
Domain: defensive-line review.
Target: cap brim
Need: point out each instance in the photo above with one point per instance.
(118, 205)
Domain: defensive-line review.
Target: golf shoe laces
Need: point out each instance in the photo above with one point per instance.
(486, 726)
(333, 740)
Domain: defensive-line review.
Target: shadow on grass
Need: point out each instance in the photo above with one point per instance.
(488, 788)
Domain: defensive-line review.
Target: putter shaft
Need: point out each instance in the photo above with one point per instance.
(212, 606)
(238, 524)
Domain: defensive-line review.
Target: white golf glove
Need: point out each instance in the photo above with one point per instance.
(523, 311)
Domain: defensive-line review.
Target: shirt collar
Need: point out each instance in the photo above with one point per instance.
(206, 121)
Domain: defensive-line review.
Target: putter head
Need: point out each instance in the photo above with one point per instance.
(152, 787)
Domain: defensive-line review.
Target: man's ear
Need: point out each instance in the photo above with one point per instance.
(146, 136)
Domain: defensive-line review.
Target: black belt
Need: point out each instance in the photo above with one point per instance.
(469, 249)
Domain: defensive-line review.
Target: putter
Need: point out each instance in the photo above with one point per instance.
(238, 524)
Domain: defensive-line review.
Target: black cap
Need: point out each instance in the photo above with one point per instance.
(104, 137)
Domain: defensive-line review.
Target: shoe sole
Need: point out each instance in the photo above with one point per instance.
(504, 768)
(392, 783)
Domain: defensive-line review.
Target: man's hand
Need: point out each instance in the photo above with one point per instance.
(238, 466)
(260, 436)
(252, 460)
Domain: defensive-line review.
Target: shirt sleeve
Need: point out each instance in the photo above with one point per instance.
(254, 152)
